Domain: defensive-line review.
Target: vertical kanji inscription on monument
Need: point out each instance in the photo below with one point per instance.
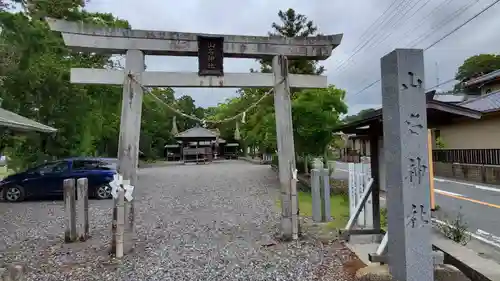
(407, 178)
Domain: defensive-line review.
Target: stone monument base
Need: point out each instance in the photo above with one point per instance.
(442, 272)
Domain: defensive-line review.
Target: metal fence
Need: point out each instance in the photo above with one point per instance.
(467, 156)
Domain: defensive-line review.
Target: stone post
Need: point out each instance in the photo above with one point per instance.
(70, 210)
(407, 178)
(326, 216)
(83, 209)
(316, 194)
(284, 133)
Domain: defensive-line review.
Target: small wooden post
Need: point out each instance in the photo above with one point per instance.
(375, 173)
(120, 224)
(360, 189)
(368, 210)
(83, 209)
(306, 164)
(294, 201)
(352, 189)
(70, 210)
(431, 170)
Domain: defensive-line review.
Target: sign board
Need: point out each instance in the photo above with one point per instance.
(210, 56)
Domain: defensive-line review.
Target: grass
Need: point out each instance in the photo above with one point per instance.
(339, 209)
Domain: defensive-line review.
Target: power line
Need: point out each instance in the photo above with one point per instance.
(393, 22)
(373, 24)
(448, 19)
(381, 27)
(362, 37)
(443, 23)
(406, 20)
(367, 87)
(424, 19)
(438, 41)
(462, 25)
(442, 83)
(375, 82)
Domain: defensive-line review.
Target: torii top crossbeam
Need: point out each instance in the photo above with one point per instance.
(90, 38)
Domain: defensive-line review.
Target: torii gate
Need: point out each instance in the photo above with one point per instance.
(210, 49)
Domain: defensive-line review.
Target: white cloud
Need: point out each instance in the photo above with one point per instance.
(351, 18)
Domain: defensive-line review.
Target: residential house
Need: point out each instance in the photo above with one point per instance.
(467, 143)
(484, 133)
(484, 84)
(370, 128)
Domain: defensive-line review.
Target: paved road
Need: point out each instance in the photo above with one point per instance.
(479, 204)
(194, 222)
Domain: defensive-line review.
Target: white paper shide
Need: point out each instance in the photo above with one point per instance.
(119, 183)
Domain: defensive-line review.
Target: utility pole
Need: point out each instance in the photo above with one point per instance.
(437, 73)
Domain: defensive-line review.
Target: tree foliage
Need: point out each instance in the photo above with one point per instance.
(34, 82)
(477, 65)
(34, 72)
(292, 25)
(359, 116)
(314, 112)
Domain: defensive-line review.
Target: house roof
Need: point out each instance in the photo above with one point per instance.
(437, 112)
(483, 79)
(20, 123)
(197, 133)
(452, 98)
(485, 103)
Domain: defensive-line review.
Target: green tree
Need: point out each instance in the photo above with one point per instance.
(34, 79)
(186, 104)
(359, 116)
(477, 65)
(293, 24)
(156, 123)
(35, 84)
(260, 126)
(315, 115)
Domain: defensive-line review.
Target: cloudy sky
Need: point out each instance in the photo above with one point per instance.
(351, 67)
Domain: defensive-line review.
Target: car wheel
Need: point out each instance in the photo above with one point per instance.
(103, 192)
(14, 193)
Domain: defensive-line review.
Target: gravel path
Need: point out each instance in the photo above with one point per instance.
(194, 222)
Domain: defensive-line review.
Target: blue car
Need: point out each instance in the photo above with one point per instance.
(47, 179)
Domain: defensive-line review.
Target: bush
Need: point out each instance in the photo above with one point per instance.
(383, 218)
(299, 163)
(275, 160)
(339, 187)
(456, 229)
